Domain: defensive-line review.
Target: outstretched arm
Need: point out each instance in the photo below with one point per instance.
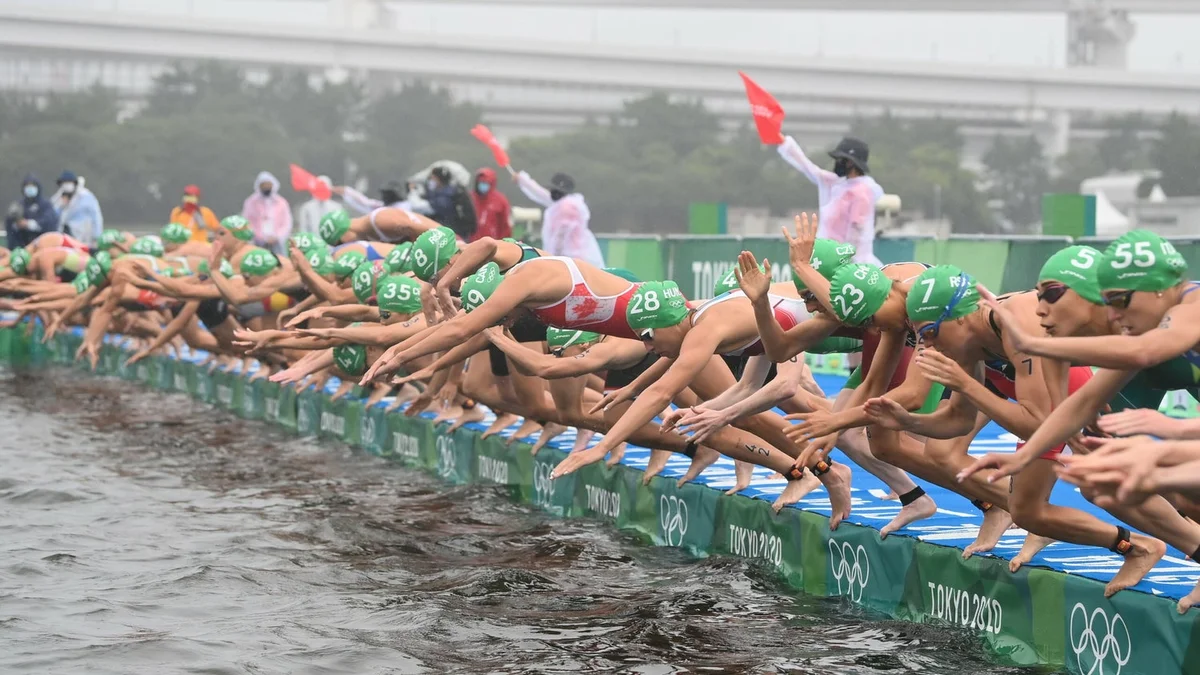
(536, 193)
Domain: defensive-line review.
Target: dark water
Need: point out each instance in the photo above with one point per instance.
(147, 533)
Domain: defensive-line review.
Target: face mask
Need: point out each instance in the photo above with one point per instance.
(431, 184)
(31, 191)
(841, 167)
(190, 199)
(483, 188)
(266, 191)
(557, 194)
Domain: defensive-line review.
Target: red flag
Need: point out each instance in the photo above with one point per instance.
(768, 114)
(306, 182)
(484, 135)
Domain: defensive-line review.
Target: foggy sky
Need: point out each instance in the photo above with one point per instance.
(1163, 42)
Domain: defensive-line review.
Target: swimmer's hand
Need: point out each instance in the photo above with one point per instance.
(755, 283)
(314, 313)
(1122, 470)
(815, 424)
(702, 423)
(137, 356)
(423, 374)
(942, 369)
(613, 398)
(1009, 324)
(444, 300)
(429, 306)
(577, 460)
(1002, 464)
(817, 450)
(1144, 421)
(800, 247)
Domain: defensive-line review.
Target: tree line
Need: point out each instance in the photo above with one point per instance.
(208, 124)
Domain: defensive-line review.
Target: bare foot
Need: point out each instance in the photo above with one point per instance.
(1144, 555)
(892, 497)
(918, 510)
(658, 461)
(995, 523)
(448, 413)
(1034, 543)
(775, 476)
(1188, 601)
(796, 490)
(475, 414)
(503, 421)
(703, 459)
(582, 438)
(615, 457)
(837, 484)
(742, 473)
(577, 460)
(524, 431)
(551, 431)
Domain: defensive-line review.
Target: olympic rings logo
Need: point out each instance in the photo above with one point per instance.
(673, 516)
(1114, 648)
(543, 486)
(851, 568)
(445, 448)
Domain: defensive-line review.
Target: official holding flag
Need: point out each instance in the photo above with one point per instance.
(847, 195)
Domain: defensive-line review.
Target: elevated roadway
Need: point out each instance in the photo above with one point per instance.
(942, 6)
(471, 60)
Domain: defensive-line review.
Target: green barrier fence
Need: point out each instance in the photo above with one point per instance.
(1035, 616)
(696, 262)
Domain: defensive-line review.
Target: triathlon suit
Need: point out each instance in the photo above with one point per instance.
(870, 343)
(582, 309)
(72, 263)
(1149, 386)
(379, 233)
(1001, 379)
(622, 377)
(525, 329)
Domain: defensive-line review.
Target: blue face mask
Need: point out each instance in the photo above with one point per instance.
(483, 188)
(31, 191)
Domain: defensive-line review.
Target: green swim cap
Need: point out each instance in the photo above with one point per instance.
(857, 291)
(398, 260)
(18, 260)
(345, 264)
(351, 359)
(828, 256)
(238, 226)
(561, 338)
(259, 262)
(478, 287)
(320, 259)
(176, 233)
(431, 252)
(728, 282)
(147, 246)
(104, 259)
(656, 304)
(1075, 267)
(96, 270)
(81, 283)
(334, 226)
(226, 268)
(1140, 261)
(399, 294)
(364, 278)
(940, 293)
(305, 242)
(110, 238)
